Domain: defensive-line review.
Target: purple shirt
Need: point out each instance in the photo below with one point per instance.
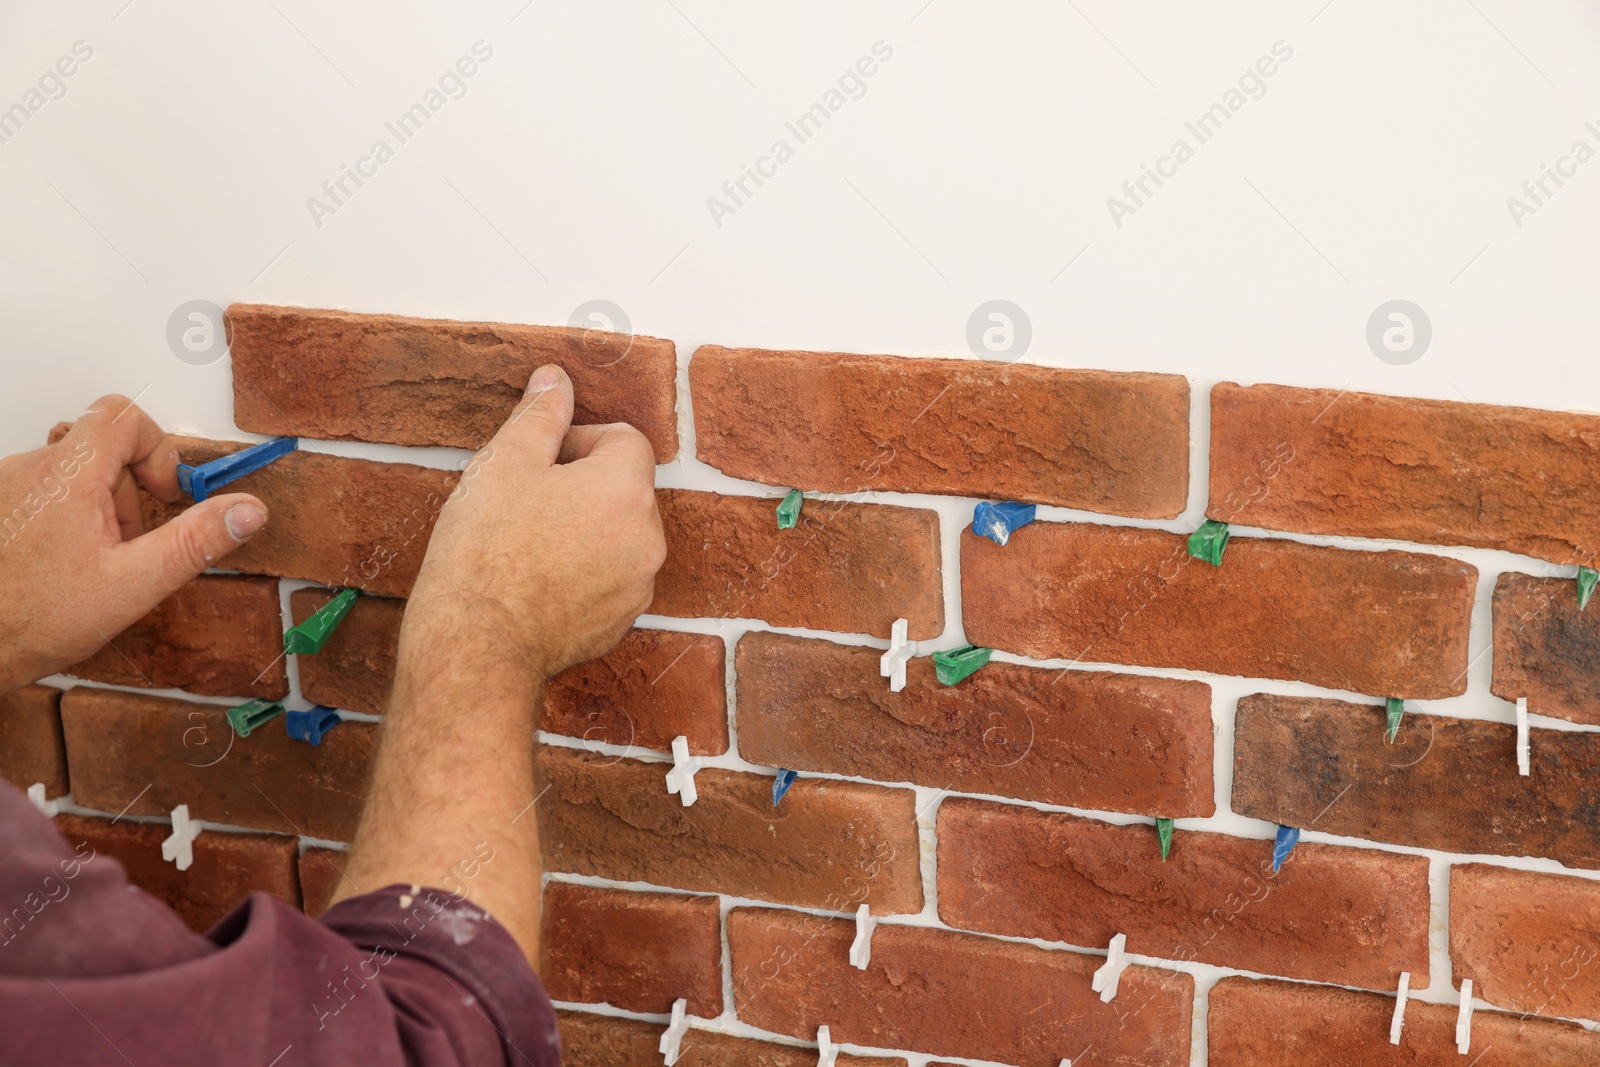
(95, 971)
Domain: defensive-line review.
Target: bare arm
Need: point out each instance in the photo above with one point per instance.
(540, 560)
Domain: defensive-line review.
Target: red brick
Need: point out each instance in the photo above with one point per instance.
(321, 871)
(1434, 471)
(1089, 439)
(227, 867)
(1529, 942)
(1077, 738)
(1344, 915)
(339, 375)
(653, 686)
(1545, 649)
(1269, 1024)
(608, 1041)
(828, 845)
(187, 753)
(339, 521)
(639, 951)
(1384, 623)
(219, 635)
(854, 568)
(951, 994)
(31, 746)
(1449, 784)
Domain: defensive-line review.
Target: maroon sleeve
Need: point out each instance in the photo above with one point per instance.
(94, 971)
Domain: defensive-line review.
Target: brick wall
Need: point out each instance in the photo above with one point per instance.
(1004, 828)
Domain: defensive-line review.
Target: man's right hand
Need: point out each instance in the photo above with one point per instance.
(546, 552)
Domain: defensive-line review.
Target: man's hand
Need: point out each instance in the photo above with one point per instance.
(75, 561)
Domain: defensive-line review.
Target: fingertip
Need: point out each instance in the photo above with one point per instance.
(545, 378)
(245, 518)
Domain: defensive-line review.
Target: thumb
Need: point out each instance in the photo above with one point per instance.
(153, 565)
(541, 418)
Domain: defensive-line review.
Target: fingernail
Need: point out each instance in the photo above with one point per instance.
(546, 377)
(243, 520)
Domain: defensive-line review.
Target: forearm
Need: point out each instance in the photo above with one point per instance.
(450, 804)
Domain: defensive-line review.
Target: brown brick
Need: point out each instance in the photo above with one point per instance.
(828, 845)
(608, 1041)
(227, 866)
(1529, 942)
(321, 871)
(1433, 471)
(1384, 623)
(1088, 739)
(1545, 649)
(653, 686)
(31, 746)
(343, 376)
(1345, 915)
(219, 635)
(1269, 1024)
(339, 521)
(1449, 784)
(187, 753)
(639, 951)
(1089, 439)
(854, 568)
(951, 994)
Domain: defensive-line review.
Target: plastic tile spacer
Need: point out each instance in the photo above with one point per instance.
(1464, 1018)
(958, 664)
(781, 784)
(672, 1040)
(680, 779)
(1587, 577)
(1524, 753)
(998, 522)
(861, 947)
(48, 808)
(311, 725)
(178, 848)
(312, 634)
(1394, 711)
(1284, 844)
(1109, 975)
(1164, 833)
(893, 663)
(1208, 542)
(1399, 1021)
(789, 509)
(251, 714)
(203, 479)
(827, 1053)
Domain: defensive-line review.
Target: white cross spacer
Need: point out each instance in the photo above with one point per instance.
(47, 808)
(1109, 976)
(1399, 1020)
(680, 779)
(893, 664)
(672, 1040)
(827, 1055)
(1464, 1018)
(179, 846)
(861, 947)
(1524, 756)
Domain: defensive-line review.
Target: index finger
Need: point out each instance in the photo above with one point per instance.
(122, 435)
(614, 442)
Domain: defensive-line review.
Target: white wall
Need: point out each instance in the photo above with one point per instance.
(977, 165)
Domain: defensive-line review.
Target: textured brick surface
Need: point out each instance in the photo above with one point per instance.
(1529, 942)
(1545, 649)
(186, 753)
(1079, 738)
(606, 1041)
(829, 845)
(1270, 1024)
(338, 375)
(31, 746)
(639, 951)
(220, 635)
(1449, 784)
(1342, 915)
(227, 866)
(333, 520)
(1434, 471)
(1089, 439)
(852, 568)
(321, 871)
(951, 994)
(653, 686)
(1384, 623)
